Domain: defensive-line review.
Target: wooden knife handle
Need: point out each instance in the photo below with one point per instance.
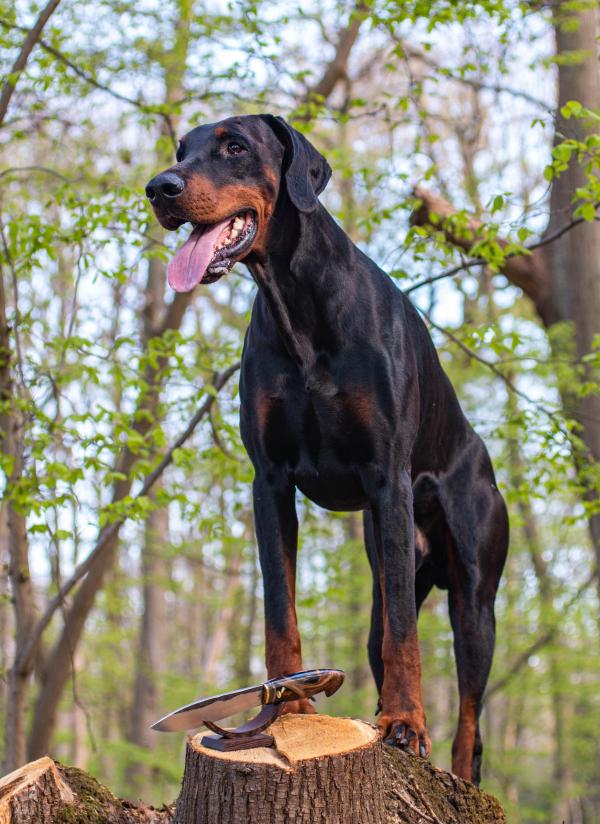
(302, 685)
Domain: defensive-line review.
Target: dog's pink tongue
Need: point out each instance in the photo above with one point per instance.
(191, 260)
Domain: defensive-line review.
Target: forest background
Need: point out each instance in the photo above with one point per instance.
(464, 139)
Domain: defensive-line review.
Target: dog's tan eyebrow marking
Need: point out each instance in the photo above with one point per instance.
(220, 131)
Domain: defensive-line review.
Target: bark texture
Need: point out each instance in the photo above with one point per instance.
(325, 771)
(416, 792)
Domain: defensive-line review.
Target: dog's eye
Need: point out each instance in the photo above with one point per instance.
(179, 152)
(234, 148)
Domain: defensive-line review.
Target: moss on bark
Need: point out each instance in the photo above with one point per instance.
(416, 791)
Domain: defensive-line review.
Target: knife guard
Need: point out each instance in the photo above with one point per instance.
(246, 737)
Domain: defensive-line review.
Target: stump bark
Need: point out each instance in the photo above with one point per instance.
(322, 771)
(325, 771)
(45, 792)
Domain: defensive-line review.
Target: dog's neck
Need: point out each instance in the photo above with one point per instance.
(308, 279)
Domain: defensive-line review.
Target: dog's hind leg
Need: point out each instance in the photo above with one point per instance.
(402, 719)
(477, 541)
(474, 638)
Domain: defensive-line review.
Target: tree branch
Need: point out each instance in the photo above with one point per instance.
(28, 652)
(90, 80)
(337, 66)
(468, 264)
(526, 271)
(32, 37)
(415, 54)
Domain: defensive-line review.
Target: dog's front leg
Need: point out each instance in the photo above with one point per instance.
(277, 535)
(402, 719)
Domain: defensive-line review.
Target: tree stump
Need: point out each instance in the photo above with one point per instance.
(45, 792)
(322, 771)
(325, 771)
(33, 793)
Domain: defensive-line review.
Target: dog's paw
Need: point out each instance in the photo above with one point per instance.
(301, 707)
(405, 732)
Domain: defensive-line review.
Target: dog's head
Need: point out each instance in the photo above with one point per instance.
(226, 182)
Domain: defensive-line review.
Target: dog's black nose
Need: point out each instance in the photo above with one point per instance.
(166, 184)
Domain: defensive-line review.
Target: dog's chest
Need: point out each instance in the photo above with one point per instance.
(320, 441)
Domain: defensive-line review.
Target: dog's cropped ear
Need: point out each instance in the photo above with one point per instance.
(306, 172)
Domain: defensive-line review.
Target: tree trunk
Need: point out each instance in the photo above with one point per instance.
(324, 771)
(150, 660)
(21, 587)
(573, 261)
(6, 623)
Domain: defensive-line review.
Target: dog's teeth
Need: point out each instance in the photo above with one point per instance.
(234, 234)
(238, 223)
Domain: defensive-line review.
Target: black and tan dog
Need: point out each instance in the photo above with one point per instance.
(343, 397)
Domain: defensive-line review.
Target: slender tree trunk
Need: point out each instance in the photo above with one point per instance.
(22, 596)
(573, 261)
(218, 640)
(6, 624)
(244, 662)
(359, 676)
(150, 659)
(11, 435)
(78, 750)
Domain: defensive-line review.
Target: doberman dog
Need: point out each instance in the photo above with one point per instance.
(343, 396)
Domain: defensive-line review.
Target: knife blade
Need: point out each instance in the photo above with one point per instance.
(276, 690)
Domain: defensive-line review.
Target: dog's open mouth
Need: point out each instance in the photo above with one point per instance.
(211, 250)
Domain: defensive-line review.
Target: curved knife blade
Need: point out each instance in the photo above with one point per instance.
(210, 709)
